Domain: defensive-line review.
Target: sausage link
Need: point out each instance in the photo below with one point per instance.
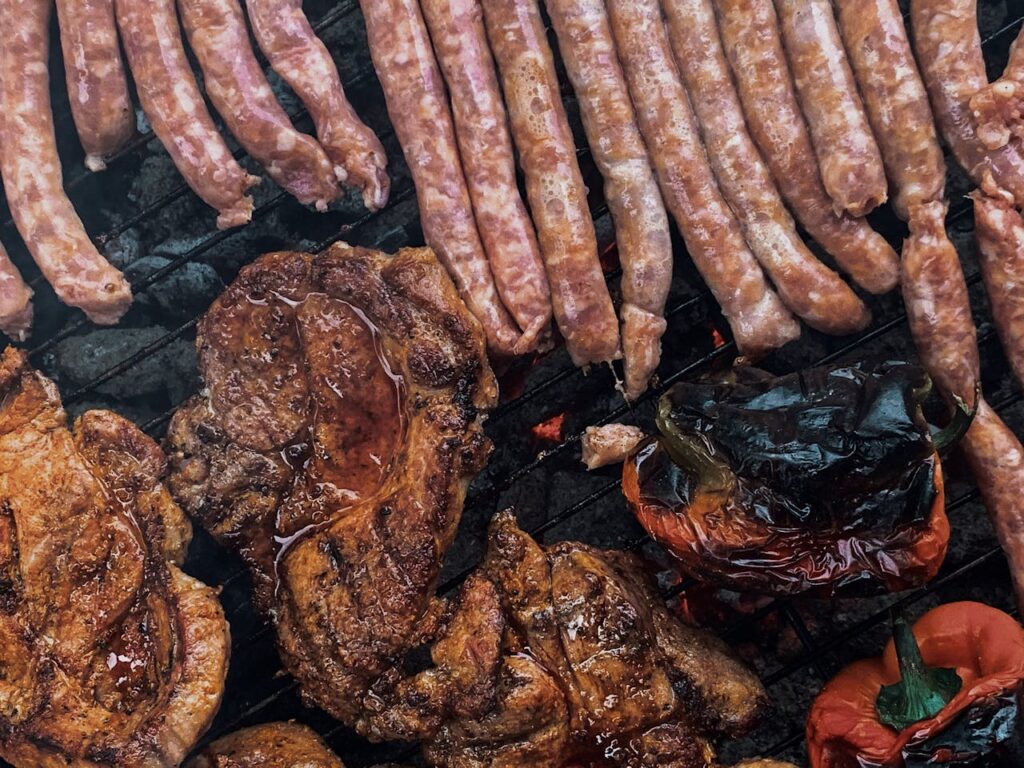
(641, 224)
(481, 126)
(939, 312)
(285, 36)
(948, 48)
(851, 165)
(97, 84)
(750, 34)
(15, 300)
(418, 107)
(241, 95)
(809, 288)
(176, 110)
(31, 171)
(554, 184)
(714, 240)
(998, 108)
(1000, 233)
(896, 100)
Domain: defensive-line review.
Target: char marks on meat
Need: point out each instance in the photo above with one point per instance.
(332, 447)
(111, 655)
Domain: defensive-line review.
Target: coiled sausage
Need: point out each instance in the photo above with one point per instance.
(809, 288)
(750, 34)
(285, 36)
(554, 185)
(418, 107)
(15, 300)
(31, 171)
(851, 165)
(97, 84)
(481, 126)
(641, 224)
(714, 240)
(241, 95)
(176, 110)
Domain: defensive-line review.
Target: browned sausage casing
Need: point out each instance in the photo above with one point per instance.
(641, 224)
(750, 34)
(939, 311)
(97, 84)
(176, 110)
(948, 48)
(31, 171)
(896, 100)
(554, 184)
(15, 300)
(851, 165)
(301, 59)
(809, 288)
(418, 108)
(481, 126)
(1000, 233)
(714, 240)
(240, 93)
(998, 108)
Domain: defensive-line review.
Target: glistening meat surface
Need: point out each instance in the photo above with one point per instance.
(274, 745)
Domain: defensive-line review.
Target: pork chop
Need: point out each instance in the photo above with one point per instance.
(332, 447)
(109, 654)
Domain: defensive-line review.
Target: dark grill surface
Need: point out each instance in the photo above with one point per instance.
(164, 238)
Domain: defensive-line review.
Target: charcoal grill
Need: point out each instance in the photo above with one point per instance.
(163, 237)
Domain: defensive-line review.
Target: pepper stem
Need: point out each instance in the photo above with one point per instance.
(922, 691)
(958, 425)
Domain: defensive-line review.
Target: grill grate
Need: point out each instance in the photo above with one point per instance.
(144, 369)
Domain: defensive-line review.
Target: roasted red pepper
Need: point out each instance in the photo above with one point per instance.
(949, 692)
(825, 481)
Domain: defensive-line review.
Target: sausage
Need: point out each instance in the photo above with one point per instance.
(809, 288)
(97, 84)
(939, 312)
(948, 48)
(481, 127)
(641, 224)
(896, 101)
(31, 171)
(15, 300)
(418, 107)
(714, 240)
(554, 185)
(283, 33)
(998, 108)
(176, 110)
(750, 34)
(1000, 233)
(241, 95)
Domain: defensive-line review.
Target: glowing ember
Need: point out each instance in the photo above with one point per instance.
(550, 430)
(717, 338)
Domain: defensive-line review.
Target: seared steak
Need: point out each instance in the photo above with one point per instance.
(274, 745)
(109, 654)
(339, 428)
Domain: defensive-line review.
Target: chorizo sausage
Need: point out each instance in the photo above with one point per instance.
(97, 84)
(998, 108)
(1000, 233)
(948, 48)
(750, 34)
(481, 127)
(15, 300)
(241, 95)
(554, 185)
(714, 240)
(809, 288)
(641, 224)
(939, 312)
(31, 172)
(851, 164)
(288, 41)
(418, 107)
(896, 101)
(175, 108)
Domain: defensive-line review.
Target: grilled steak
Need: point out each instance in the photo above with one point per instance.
(109, 654)
(275, 745)
(332, 449)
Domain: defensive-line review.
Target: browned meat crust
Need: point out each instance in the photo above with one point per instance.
(332, 449)
(111, 656)
(274, 745)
